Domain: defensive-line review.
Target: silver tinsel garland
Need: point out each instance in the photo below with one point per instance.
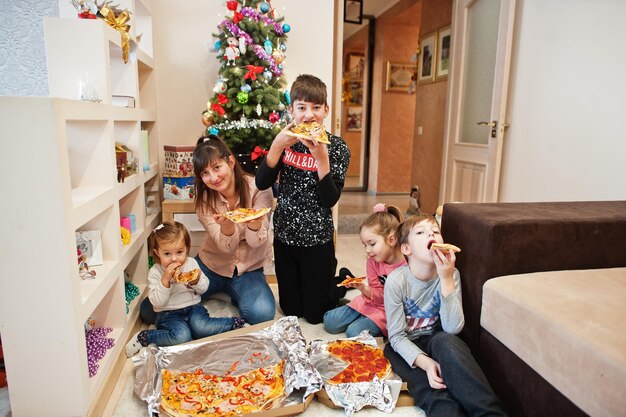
(246, 123)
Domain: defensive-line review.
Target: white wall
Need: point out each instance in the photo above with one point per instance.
(567, 139)
(187, 69)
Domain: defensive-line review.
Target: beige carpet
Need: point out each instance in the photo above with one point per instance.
(124, 403)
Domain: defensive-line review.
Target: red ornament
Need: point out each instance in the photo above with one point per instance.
(252, 72)
(232, 5)
(274, 117)
(222, 99)
(218, 109)
(237, 17)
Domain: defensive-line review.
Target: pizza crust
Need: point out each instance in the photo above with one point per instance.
(445, 247)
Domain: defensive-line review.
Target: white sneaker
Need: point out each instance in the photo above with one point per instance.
(133, 346)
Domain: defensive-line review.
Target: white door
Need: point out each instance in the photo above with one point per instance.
(482, 33)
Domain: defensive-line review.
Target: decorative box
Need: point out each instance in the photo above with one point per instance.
(178, 161)
(178, 188)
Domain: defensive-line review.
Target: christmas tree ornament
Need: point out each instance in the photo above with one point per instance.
(232, 51)
(268, 46)
(242, 45)
(273, 117)
(286, 28)
(232, 5)
(283, 47)
(252, 72)
(281, 107)
(245, 88)
(220, 86)
(287, 97)
(242, 97)
(278, 56)
(259, 109)
(265, 7)
(267, 74)
(217, 45)
(214, 131)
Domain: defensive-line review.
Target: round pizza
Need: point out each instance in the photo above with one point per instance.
(364, 361)
(195, 394)
(243, 214)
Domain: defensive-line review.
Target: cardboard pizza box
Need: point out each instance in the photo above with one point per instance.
(404, 399)
(290, 410)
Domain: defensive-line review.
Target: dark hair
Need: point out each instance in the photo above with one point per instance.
(384, 223)
(168, 232)
(405, 228)
(309, 88)
(208, 150)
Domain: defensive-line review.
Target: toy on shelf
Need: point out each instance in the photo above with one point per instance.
(83, 268)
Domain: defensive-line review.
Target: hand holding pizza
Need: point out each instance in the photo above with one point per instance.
(284, 140)
(168, 274)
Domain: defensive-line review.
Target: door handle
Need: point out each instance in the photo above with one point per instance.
(490, 124)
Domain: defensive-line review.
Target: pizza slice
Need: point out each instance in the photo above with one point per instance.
(446, 247)
(185, 277)
(243, 214)
(311, 130)
(351, 280)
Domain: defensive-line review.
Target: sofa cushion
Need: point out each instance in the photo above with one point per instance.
(569, 327)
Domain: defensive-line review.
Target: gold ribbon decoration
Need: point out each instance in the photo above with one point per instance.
(120, 24)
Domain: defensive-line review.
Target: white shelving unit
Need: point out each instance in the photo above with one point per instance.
(60, 161)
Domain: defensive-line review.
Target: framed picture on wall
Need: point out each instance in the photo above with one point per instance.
(355, 66)
(443, 53)
(428, 52)
(90, 245)
(399, 76)
(354, 118)
(355, 93)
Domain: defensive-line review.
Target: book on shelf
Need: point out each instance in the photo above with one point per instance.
(123, 101)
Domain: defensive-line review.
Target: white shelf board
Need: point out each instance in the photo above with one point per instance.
(88, 202)
(92, 291)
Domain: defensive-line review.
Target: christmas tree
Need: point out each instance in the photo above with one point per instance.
(248, 107)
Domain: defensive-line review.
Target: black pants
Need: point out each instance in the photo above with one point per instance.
(304, 275)
(467, 394)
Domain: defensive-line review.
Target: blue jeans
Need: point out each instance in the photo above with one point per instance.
(467, 394)
(185, 324)
(249, 292)
(346, 319)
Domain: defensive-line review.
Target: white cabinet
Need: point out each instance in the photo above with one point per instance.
(58, 166)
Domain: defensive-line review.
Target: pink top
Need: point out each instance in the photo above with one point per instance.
(374, 308)
(245, 249)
